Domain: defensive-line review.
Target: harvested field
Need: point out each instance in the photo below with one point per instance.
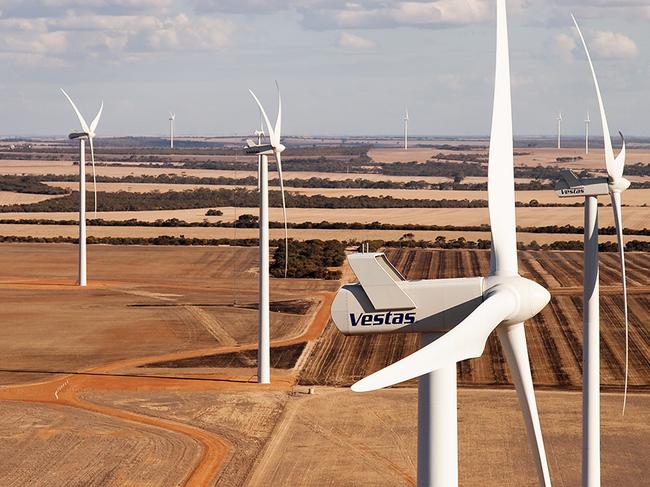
(633, 197)
(72, 231)
(10, 198)
(554, 336)
(530, 156)
(68, 329)
(245, 419)
(370, 439)
(635, 217)
(59, 445)
(281, 358)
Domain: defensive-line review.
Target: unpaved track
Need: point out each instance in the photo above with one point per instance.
(68, 390)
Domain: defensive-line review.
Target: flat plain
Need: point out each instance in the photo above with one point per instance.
(154, 360)
(147, 376)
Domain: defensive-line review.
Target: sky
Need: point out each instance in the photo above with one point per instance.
(345, 67)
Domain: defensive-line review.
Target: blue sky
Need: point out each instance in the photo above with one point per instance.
(345, 67)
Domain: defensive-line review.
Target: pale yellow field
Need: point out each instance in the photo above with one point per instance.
(595, 160)
(370, 439)
(10, 198)
(633, 197)
(634, 217)
(51, 231)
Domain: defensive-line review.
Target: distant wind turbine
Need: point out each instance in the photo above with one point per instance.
(559, 131)
(406, 129)
(172, 119)
(87, 133)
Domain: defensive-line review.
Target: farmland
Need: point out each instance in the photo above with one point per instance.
(554, 336)
(157, 358)
(147, 376)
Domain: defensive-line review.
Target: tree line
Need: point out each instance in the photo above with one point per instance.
(252, 221)
(241, 197)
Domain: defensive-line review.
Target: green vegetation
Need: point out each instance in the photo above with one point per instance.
(309, 259)
(27, 184)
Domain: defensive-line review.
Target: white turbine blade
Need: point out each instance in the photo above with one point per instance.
(619, 162)
(266, 118)
(278, 159)
(501, 186)
(612, 169)
(277, 131)
(93, 124)
(466, 340)
(84, 125)
(92, 158)
(513, 340)
(618, 219)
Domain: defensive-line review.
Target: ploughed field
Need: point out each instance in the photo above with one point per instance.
(554, 336)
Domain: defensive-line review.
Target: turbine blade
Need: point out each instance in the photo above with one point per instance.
(84, 125)
(92, 158)
(609, 152)
(466, 340)
(618, 219)
(619, 162)
(513, 339)
(266, 118)
(278, 159)
(501, 187)
(277, 131)
(93, 124)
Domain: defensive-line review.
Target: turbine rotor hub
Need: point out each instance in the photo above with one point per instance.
(619, 185)
(530, 297)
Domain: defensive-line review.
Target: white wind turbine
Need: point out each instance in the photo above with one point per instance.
(406, 128)
(172, 121)
(455, 316)
(587, 122)
(87, 133)
(274, 148)
(591, 188)
(559, 130)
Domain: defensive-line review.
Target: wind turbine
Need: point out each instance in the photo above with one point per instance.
(590, 189)
(87, 133)
(559, 130)
(587, 122)
(275, 148)
(406, 129)
(455, 316)
(172, 119)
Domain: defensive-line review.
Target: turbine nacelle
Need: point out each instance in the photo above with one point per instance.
(384, 302)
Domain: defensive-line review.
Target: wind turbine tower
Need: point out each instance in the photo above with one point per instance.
(88, 132)
(406, 129)
(275, 148)
(172, 121)
(559, 131)
(587, 122)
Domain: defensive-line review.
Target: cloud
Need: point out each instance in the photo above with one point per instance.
(372, 14)
(565, 44)
(73, 36)
(612, 45)
(351, 41)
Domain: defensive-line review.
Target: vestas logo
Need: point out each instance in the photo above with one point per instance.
(388, 318)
